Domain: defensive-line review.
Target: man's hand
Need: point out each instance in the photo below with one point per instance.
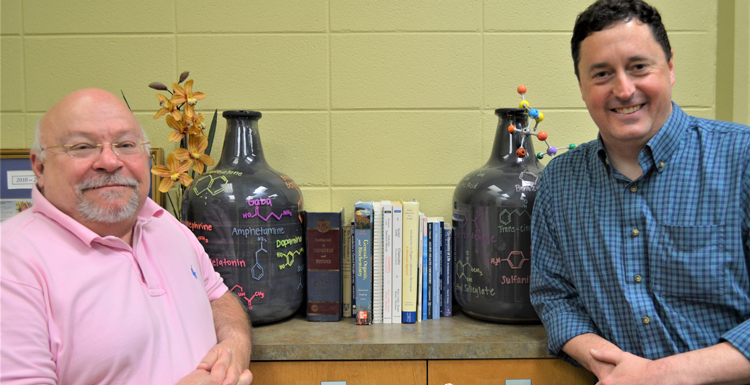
(626, 368)
(601, 368)
(231, 368)
(718, 364)
(232, 332)
(217, 375)
(579, 347)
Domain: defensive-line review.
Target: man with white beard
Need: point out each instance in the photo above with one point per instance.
(98, 284)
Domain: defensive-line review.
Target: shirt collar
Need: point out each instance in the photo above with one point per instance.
(600, 150)
(150, 211)
(42, 206)
(668, 140)
(662, 146)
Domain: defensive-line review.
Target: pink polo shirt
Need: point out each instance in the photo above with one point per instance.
(77, 308)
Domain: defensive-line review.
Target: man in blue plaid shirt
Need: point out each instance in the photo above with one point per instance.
(641, 238)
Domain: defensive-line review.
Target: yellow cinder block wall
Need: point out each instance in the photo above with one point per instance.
(365, 99)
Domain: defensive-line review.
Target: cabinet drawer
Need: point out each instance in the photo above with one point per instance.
(353, 372)
(495, 372)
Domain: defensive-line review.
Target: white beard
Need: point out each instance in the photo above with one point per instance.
(92, 212)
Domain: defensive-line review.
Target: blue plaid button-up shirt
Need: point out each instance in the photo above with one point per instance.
(658, 265)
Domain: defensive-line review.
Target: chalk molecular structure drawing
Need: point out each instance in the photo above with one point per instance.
(259, 215)
(259, 274)
(289, 257)
(541, 135)
(241, 294)
(222, 181)
(461, 270)
(515, 260)
(506, 216)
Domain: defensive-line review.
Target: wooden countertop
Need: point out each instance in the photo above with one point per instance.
(449, 338)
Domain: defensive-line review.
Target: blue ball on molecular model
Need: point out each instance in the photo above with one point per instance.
(534, 113)
(551, 151)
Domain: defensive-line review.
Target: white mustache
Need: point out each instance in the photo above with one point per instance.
(106, 179)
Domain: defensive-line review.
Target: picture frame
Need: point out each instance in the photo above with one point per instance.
(17, 179)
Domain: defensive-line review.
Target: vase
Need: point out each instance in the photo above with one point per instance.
(492, 209)
(248, 218)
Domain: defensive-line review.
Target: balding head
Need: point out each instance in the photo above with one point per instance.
(73, 106)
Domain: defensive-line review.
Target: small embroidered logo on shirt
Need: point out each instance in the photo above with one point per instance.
(193, 271)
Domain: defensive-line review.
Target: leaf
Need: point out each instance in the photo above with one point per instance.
(126, 100)
(211, 133)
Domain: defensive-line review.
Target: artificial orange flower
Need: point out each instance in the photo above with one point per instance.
(186, 96)
(167, 107)
(180, 128)
(172, 171)
(179, 96)
(195, 124)
(196, 147)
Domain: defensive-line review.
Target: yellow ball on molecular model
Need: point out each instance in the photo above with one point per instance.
(540, 118)
(523, 104)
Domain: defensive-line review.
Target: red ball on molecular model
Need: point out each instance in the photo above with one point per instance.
(542, 135)
(511, 128)
(521, 152)
(522, 89)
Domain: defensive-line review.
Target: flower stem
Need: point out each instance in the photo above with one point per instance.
(171, 203)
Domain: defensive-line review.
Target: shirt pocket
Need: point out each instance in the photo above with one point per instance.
(690, 262)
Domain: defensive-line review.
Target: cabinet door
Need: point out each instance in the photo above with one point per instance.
(353, 372)
(497, 372)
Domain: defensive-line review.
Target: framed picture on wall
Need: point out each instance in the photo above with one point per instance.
(17, 179)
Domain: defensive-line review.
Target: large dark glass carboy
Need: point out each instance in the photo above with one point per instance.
(248, 218)
(492, 209)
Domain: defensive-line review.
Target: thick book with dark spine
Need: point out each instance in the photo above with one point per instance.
(324, 246)
(363, 218)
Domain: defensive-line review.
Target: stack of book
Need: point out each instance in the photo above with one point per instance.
(395, 265)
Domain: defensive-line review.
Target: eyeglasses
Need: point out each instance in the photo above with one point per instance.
(93, 150)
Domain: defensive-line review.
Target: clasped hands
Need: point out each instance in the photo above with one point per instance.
(217, 368)
(615, 367)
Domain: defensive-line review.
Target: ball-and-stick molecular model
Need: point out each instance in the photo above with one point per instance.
(541, 135)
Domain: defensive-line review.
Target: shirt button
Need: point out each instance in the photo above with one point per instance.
(661, 164)
(646, 320)
(633, 188)
(638, 279)
(635, 232)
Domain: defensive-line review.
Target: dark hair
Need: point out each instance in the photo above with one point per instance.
(604, 13)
